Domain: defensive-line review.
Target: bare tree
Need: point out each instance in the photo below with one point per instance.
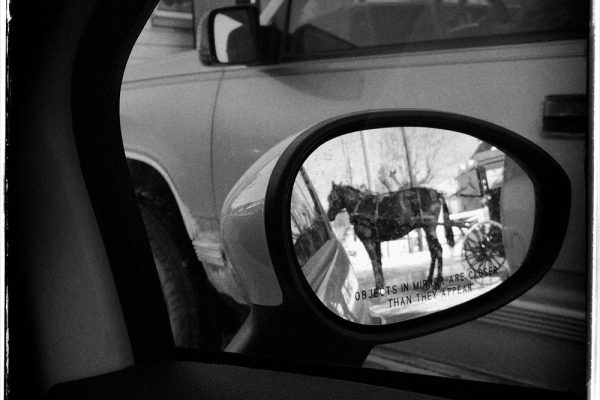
(408, 160)
(421, 151)
(408, 157)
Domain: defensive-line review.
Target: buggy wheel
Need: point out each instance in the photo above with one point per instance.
(484, 258)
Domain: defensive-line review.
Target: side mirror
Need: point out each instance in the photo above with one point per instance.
(387, 225)
(230, 36)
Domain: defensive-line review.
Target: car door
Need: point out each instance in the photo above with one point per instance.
(503, 79)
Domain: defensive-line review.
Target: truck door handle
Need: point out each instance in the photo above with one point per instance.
(565, 115)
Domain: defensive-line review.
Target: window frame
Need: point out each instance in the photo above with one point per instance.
(172, 18)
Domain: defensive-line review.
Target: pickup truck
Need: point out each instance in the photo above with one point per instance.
(191, 130)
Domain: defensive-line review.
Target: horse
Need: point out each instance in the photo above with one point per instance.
(383, 217)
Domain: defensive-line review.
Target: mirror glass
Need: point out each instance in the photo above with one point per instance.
(235, 36)
(396, 223)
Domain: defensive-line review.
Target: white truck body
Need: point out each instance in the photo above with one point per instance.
(203, 127)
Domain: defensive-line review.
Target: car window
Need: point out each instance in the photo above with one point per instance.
(349, 25)
(169, 30)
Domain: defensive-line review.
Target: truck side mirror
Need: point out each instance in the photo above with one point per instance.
(230, 36)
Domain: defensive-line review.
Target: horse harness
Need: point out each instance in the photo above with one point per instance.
(378, 199)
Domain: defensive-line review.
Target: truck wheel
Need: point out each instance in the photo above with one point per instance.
(192, 303)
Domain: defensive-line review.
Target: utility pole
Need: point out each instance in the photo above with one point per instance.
(408, 160)
(411, 181)
(348, 161)
(366, 158)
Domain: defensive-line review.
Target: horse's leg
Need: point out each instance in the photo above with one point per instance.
(439, 252)
(365, 234)
(371, 246)
(431, 248)
(378, 271)
(435, 248)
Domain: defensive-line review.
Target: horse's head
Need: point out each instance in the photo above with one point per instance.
(335, 200)
(341, 197)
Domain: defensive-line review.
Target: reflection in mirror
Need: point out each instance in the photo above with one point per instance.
(396, 223)
(234, 38)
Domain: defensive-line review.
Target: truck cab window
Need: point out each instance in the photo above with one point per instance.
(349, 25)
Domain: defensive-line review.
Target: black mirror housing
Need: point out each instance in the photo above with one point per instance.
(230, 36)
(280, 290)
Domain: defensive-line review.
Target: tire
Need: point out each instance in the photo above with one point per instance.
(199, 317)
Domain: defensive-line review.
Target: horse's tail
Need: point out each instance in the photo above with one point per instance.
(447, 224)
